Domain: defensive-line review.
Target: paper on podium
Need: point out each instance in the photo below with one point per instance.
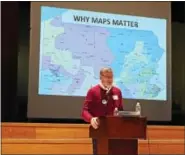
(129, 113)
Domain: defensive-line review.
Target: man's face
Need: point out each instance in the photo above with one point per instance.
(107, 79)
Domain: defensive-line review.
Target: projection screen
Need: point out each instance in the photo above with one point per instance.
(71, 41)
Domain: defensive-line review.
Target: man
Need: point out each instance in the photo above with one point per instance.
(102, 100)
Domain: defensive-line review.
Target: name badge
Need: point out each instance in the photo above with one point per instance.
(115, 97)
(104, 102)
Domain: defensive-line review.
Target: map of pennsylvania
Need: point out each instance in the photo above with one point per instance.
(72, 54)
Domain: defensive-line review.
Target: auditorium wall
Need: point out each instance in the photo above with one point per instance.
(178, 63)
(23, 55)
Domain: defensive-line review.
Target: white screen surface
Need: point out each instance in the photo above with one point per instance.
(76, 44)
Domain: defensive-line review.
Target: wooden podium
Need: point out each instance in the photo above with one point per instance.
(119, 135)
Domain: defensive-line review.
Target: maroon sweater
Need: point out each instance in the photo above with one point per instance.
(93, 106)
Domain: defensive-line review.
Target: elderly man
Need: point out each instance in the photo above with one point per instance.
(102, 100)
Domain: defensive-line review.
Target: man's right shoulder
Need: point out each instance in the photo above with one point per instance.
(94, 88)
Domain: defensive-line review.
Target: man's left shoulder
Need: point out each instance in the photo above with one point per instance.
(116, 89)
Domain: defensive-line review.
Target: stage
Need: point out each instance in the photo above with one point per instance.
(44, 138)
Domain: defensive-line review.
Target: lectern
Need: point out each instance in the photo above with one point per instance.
(118, 135)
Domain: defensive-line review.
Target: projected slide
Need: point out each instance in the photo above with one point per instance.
(76, 44)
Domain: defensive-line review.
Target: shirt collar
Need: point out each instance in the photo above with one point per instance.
(107, 89)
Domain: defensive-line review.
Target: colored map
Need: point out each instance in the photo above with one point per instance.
(72, 54)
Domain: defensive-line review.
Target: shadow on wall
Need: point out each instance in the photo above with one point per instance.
(178, 64)
(23, 55)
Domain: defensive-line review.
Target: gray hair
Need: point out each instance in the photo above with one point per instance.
(105, 70)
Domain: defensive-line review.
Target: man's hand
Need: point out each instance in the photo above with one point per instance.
(95, 122)
(116, 112)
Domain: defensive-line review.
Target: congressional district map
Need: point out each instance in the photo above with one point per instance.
(75, 44)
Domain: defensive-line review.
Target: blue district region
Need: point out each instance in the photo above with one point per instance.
(122, 41)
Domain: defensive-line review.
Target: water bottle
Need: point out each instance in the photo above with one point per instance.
(138, 108)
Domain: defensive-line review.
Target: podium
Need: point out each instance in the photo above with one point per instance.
(119, 135)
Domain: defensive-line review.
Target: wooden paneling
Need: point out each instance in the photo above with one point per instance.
(161, 146)
(49, 146)
(46, 149)
(165, 132)
(171, 147)
(20, 138)
(18, 132)
(66, 132)
(48, 131)
(45, 130)
(83, 146)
